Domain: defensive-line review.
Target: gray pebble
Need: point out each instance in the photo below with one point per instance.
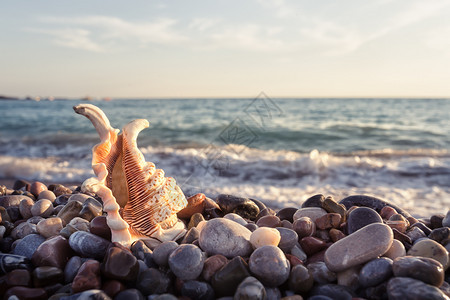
(269, 265)
(186, 262)
(162, 251)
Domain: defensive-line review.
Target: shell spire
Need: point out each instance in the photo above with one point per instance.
(139, 200)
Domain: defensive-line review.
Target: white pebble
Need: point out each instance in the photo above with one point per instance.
(265, 236)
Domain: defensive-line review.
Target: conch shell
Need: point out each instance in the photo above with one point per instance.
(139, 200)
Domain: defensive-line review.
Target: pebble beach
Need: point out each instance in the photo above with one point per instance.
(55, 244)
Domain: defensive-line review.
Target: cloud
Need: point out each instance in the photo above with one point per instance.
(72, 38)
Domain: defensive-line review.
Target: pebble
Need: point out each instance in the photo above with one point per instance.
(69, 211)
(49, 227)
(98, 226)
(244, 207)
(161, 253)
(194, 289)
(269, 265)
(12, 200)
(88, 245)
(112, 287)
(26, 293)
(331, 206)
(424, 269)
(213, 264)
(250, 289)
(440, 234)
(13, 213)
(22, 230)
(415, 233)
(360, 217)
(336, 235)
(90, 209)
(76, 224)
(186, 262)
(304, 226)
(46, 194)
(311, 212)
(222, 236)
(371, 202)
(25, 208)
(375, 272)
(289, 239)
(400, 288)
(301, 279)
(195, 220)
(314, 201)
(42, 208)
(18, 277)
(196, 204)
(287, 213)
(269, 221)
(349, 278)
(152, 281)
(46, 275)
(227, 279)
(264, 236)
(37, 187)
(72, 267)
(332, 291)
(436, 221)
(446, 220)
(387, 212)
(28, 245)
(321, 273)
(120, 264)
(78, 197)
(9, 262)
(312, 245)
(359, 247)
(54, 252)
(236, 218)
(328, 221)
(431, 249)
(87, 277)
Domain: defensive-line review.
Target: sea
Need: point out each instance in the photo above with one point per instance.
(279, 151)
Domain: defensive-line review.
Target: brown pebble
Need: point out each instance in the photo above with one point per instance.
(37, 187)
(196, 204)
(293, 260)
(336, 235)
(113, 287)
(53, 252)
(287, 224)
(18, 277)
(269, 221)
(312, 245)
(304, 226)
(49, 195)
(98, 226)
(213, 264)
(330, 220)
(88, 277)
(387, 211)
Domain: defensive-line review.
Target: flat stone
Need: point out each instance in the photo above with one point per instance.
(28, 245)
(42, 208)
(425, 269)
(269, 265)
(227, 279)
(222, 236)
(375, 272)
(88, 277)
(186, 262)
(360, 217)
(371, 202)
(54, 252)
(120, 264)
(12, 200)
(161, 253)
(196, 204)
(250, 288)
(49, 227)
(88, 245)
(152, 281)
(301, 279)
(90, 209)
(22, 230)
(311, 212)
(9, 262)
(359, 247)
(400, 288)
(213, 264)
(70, 211)
(431, 249)
(45, 276)
(194, 289)
(264, 236)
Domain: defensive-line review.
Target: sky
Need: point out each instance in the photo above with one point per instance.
(284, 48)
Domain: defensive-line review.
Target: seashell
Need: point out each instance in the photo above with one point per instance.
(139, 200)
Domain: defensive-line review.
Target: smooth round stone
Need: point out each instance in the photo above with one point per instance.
(424, 269)
(333, 291)
(227, 279)
(49, 227)
(22, 292)
(436, 221)
(446, 220)
(360, 217)
(304, 227)
(69, 211)
(288, 240)
(88, 245)
(264, 236)
(196, 204)
(186, 262)
(120, 264)
(46, 275)
(76, 224)
(60, 189)
(250, 288)
(415, 233)
(161, 253)
(43, 208)
(387, 212)
(298, 252)
(331, 206)
(375, 272)
(321, 273)
(236, 218)
(88, 277)
(78, 197)
(371, 202)
(194, 289)
(431, 249)
(18, 277)
(12, 200)
(140, 250)
(269, 221)
(195, 220)
(301, 279)
(37, 187)
(311, 212)
(213, 264)
(222, 236)
(28, 245)
(98, 226)
(427, 230)
(54, 252)
(72, 267)
(22, 230)
(400, 288)
(49, 195)
(244, 207)
(25, 208)
(349, 278)
(397, 250)
(440, 234)
(361, 246)
(269, 265)
(192, 235)
(314, 201)
(336, 235)
(152, 281)
(287, 213)
(90, 209)
(311, 245)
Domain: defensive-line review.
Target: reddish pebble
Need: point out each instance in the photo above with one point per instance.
(387, 211)
(196, 204)
(54, 252)
(304, 226)
(294, 260)
(18, 277)
(26, 293)
(120, 264)
(336, 235)
(113, 287)
(312, 245)
(99, 227)
(269, 221)
(212, 265)
(330, 220)
(37, 187)
(88, 277)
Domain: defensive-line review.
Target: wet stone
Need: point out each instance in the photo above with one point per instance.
(25, 208)
(301, 279)
(226, 280)
(152, 281)
(212, 264)
(222, 236)
(400, 288)
(49, 227)
(87, 277)
(431, 249)
(98, 226)
(197, 290)
(287, 213)
(269, 221)
(386, 212)
(361, 246)
(43, 208)
(250, 288)
(314, 201)
(161, 253)
(37, 187)
(54, 252)
(304, 227)
(375, 272)
(25, 293)
(288, 240)
(321, 273)
(120, 264)
(360, 217)
(264, 236)
(424, 269)
(186, 262)
(44, 276)
(70, 211)
(88, 245)
(90, 209)
(269, 265)
(28, 245)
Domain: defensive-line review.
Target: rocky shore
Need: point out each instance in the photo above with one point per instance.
(55, 244)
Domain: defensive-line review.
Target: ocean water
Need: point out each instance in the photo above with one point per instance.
(280, 151)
